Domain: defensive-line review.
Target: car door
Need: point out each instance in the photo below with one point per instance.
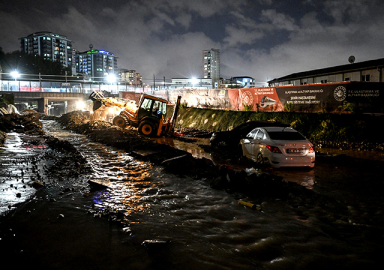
(258, 144)
(248, 142)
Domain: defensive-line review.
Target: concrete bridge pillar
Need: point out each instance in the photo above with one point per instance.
(42, 104)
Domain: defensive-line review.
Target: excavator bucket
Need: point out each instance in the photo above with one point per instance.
(97, 104)
(96, 95)
(97, 98)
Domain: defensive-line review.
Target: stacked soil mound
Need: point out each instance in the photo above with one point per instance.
(28, 123)
(24, 123)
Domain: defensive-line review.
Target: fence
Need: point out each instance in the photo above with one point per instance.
(68, 87)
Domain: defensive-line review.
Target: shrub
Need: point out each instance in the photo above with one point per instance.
(289, 106)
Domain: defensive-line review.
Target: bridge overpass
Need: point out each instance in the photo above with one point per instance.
(45, 100)
(47, 94)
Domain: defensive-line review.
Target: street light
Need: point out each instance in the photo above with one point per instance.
(111, 78)
(194, 81)
(15, 74)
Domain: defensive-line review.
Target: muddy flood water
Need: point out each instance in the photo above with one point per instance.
(140, 217)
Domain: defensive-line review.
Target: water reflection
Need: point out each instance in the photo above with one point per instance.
(18, 163)
(304, 177)
(191, 146)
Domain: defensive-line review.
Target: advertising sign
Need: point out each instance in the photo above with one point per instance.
(312, 98)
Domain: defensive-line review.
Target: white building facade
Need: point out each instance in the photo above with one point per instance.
(195, 83)
(211, 66)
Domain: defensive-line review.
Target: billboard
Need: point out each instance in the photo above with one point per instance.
(312, 98)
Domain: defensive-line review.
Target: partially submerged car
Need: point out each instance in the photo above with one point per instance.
(230, 139)
(278, 147)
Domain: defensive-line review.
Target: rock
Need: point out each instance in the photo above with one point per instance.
(150, 244)
(126, 230)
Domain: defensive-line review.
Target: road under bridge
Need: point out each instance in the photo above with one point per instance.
(46, 100)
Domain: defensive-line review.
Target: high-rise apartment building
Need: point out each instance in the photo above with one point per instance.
(211, 65)
(131, 77)
(51, 46)
(97, 64)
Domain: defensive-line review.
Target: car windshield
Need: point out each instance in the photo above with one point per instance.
(286, 136)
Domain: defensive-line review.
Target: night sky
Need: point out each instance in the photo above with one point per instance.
(264, 39)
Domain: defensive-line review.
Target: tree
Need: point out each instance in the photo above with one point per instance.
(1, 54)
(30, 64)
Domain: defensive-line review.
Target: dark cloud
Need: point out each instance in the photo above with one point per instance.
(259, 38)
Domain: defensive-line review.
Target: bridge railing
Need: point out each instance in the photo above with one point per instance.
(66, 87)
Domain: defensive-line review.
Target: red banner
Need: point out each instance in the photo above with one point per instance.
(259, 99)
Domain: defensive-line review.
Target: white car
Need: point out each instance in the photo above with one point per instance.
(278, 146)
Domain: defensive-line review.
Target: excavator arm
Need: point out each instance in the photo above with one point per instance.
(168, 127)
(99, 100)
(172, 122)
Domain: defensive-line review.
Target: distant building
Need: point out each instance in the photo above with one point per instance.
(367, 71)
(191, 83)
(51, 46)
(131, 77)
(211, 66)
(97, 64)
(238, 82)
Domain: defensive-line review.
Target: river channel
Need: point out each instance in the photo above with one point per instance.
(163, 221)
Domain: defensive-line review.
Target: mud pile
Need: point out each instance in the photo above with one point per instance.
(28, 123)
(24, 123)
(104, 132)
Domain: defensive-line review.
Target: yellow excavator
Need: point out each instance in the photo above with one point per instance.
(149, 116)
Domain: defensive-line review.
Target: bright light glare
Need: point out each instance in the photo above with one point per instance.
(80, 105)
(194, 81)
(15, 74)
(111, 78)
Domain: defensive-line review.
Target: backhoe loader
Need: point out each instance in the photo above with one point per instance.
(149, 116)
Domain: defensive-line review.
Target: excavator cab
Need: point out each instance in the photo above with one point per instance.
(151, 114)
(150, 107)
